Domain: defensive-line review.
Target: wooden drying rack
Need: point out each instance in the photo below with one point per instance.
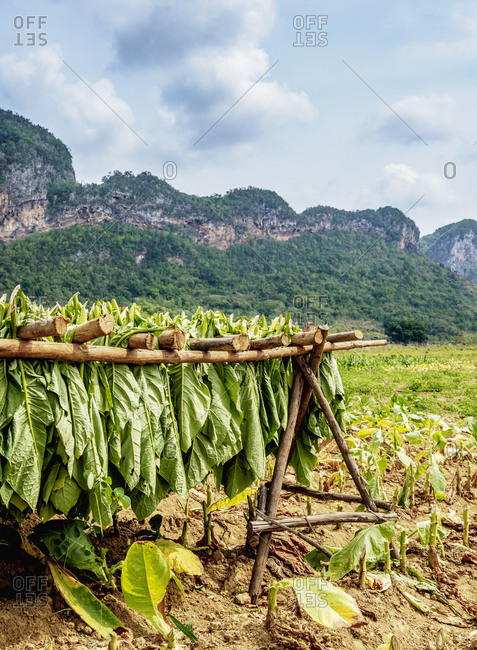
(168, 348)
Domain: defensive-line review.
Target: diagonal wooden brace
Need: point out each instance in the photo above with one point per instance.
(337, 435)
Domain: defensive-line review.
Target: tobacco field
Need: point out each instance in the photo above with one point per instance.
(126, 493)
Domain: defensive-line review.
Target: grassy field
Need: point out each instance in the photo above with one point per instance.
(438, 379)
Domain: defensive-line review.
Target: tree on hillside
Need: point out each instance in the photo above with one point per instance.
(405, 331)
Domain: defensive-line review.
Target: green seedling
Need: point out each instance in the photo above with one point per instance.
(465, 529)
(402, 551)
(362, 569)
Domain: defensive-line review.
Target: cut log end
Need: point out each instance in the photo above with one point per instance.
(235, 343)
(307, 338)
(55, 327)
(94, 329)
(270, 342)
(172, 339)
(142, 341)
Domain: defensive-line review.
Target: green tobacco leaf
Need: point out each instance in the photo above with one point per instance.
(65, 492)
(27, 402)
(403, 499)
(225, 502)
(437, 478)
(373, 537)
(326, 604)
(78, 404)
(83, 602)
(144, 579)
(60, 406)
(68, 544)
(191, 401)
(315, 558)
(179, 558)
(252, 438)
(237, 475)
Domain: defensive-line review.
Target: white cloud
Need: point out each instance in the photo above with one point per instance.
(207, 57)
(401, 185)
(431, 117)
(40, 85)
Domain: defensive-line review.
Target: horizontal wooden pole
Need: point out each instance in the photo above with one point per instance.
(235, 343)
(14, 348)
(260, 526)
(142, 341)
(270, 342)
(277, 523)
(172, 339)
(355, 335)
(94, 329)
(331, 496)
(56, 326)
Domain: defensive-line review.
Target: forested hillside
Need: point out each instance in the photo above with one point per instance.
(334, 276)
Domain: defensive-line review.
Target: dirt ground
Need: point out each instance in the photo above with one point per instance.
(33, 616)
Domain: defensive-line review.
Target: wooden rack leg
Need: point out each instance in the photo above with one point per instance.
(276, 486)
(338, 436)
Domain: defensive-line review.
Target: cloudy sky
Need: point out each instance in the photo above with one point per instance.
(354, 104)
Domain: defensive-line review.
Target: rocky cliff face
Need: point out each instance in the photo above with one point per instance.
(455, 246)
(38, 194)
(218, 221)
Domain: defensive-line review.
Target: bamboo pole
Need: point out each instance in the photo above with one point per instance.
(56, 326)
(260, 526)
(338, 337)
(142, 341)
(270, 342)
(338, 436)
(276, 486)
(173, 339)
(94, 329)
(236, 343)
(331, 496)
(15, 348)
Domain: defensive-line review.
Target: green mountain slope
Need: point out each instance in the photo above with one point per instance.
(333, 276)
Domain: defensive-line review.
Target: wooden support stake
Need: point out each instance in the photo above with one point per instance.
(339, 337)
(270, 342)
(56, 326)
(338, 436)
(94, 329)
(236, 343)
(173, 339)
(331, 496)
(142, 341)
(276, 486)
